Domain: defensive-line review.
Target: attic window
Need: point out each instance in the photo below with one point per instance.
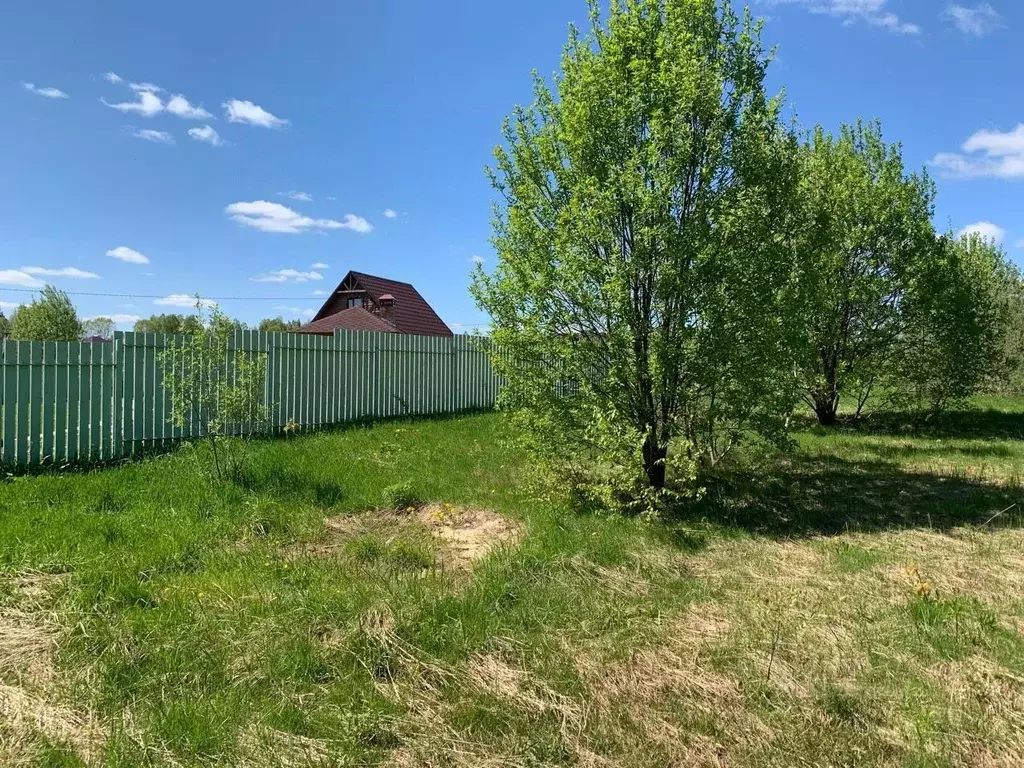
(355, 301)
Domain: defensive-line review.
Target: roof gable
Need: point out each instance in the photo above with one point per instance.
(410, 314)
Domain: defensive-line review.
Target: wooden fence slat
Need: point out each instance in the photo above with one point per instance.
(9, 354)
(48, 417)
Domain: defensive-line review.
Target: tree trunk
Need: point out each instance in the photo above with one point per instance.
(654, 454)
(826, 409)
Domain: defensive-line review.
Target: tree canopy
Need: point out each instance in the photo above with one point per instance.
(101, 327)
(50, 317)
(642, 290)
(171, 323)
(278, 325)
(677, 269)
(864, 238)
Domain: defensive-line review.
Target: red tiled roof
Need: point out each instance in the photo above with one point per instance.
(352, 319)
(411, 312)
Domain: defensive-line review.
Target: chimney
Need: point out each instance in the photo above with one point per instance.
(387, 307)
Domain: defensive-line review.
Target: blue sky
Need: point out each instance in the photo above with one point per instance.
(228, 148)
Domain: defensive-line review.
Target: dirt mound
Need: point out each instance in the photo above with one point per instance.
(468, 534)
(460, 536)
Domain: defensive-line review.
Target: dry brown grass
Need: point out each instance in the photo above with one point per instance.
(30, 686)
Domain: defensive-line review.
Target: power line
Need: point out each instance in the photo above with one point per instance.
(164, 296)
(203, 298)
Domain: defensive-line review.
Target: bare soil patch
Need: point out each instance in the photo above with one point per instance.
(460, 536)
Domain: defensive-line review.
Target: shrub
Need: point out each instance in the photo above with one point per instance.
(221, 386)
(399, 496)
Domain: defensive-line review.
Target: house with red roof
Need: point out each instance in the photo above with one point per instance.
(364, 302)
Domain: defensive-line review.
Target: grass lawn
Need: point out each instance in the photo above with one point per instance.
(857, 602)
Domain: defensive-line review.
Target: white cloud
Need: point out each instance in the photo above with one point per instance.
(320, 265)
(296, 311)
(112, 77)
(986, 229)
(390, 214)
(287, 276)
(872, 12)
(986, 153)
(62, 272)
(50, 93)
(319, 292)
(975, 22)
(127, 254)
(183, 301)
(357, 224)
(158, 137)
(274, 217)
(178, 105)
(997, 144)
(296, 195)
(475, 259)
(10, 305)
(19, 278)
(239, 111)
(149, 104)
(207, 135)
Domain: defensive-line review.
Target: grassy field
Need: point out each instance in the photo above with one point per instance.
(857, 602)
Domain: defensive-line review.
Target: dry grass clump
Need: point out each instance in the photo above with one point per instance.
(30, 708)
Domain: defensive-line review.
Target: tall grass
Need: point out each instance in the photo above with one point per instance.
(197, 623)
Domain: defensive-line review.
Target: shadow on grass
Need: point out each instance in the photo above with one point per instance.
(807, 497)
(971, 424)
(292, 486)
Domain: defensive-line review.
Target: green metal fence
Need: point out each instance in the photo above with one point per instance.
(66, 402)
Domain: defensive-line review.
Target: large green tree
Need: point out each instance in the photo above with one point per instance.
(1014, 339)
(641, 296)
(865, 235)
(51, 317)
(955, 321)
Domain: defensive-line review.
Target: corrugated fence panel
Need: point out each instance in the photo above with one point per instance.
(66, 402)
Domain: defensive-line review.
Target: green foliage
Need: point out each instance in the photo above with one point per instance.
(278, 325)
(221, 387)
(399, 496)
(892, 309)
(642, 291)
(5, 326)
(103, 327)
(51, 317)
(1010, 377)
(171, 323)
(864, 236)
(184, 324)
(955, 323)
